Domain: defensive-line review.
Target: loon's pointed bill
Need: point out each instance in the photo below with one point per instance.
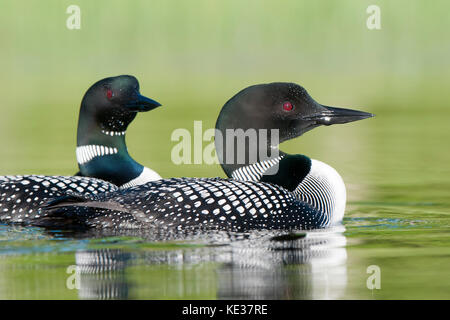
(142, 104)
(333, 115)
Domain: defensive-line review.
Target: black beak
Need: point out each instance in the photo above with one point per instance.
(142, 104)
(331, 115)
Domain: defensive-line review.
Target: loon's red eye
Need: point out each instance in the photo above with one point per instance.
(109, 93)
(288, 106)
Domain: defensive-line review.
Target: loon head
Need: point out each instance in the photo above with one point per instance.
(107, 108)
(276, 112)
(110, 105)
(282, 111)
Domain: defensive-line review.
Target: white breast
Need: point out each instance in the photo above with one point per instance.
(147, 175)
(324, 189)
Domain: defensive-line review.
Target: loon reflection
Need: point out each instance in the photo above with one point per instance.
(102, 274)
(262, 265)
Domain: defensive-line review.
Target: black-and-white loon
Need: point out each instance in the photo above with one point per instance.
(300, 194)
(107, 108)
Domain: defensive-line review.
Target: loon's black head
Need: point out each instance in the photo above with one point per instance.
(111, 104)
(107, 108)
(284, 107)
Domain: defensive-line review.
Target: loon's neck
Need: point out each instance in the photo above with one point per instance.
(102, 152)
(107, 158)
(241, 148)
(280, 168)
(311, 181)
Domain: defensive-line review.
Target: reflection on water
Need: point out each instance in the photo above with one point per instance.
(254, 266)
(102, 274)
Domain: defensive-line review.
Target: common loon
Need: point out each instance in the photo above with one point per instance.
(279, 191)
(107, 108)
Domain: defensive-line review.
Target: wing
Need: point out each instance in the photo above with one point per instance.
(21, 197)
(191, 203)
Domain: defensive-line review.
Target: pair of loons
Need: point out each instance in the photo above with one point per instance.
(279, 191)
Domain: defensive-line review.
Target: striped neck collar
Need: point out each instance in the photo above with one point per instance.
(87, 153)
(104, 155)
(107, 163)
(255, 171)
(311, 181)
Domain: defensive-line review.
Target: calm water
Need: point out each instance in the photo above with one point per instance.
(396, 219)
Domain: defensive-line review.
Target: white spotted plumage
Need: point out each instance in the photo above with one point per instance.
(239, 206)
(21, 197)
(322, 188)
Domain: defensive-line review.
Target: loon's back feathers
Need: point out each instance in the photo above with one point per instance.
(21, 197)
(210, 203)
(312, 181)
(317, 201)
